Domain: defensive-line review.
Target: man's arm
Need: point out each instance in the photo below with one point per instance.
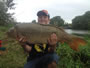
(26, 48)
(24, 45)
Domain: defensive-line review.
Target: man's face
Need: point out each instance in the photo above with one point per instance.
(43, 19)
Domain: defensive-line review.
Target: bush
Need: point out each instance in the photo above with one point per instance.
(69, 58)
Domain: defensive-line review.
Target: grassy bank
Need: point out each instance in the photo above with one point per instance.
(15, 57)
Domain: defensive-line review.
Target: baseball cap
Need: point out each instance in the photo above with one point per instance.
(43, 12)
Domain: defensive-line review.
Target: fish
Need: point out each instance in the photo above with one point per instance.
(39, 33)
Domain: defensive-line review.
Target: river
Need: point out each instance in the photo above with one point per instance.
(71, 31)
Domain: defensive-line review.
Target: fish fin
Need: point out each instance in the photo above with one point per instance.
(76, 42)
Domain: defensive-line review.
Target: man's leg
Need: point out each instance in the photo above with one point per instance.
(52, 65)
(48, 61)
(31, 64)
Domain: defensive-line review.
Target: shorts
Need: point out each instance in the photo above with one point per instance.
(43, 61)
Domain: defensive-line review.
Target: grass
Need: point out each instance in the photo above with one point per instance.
(15, 57)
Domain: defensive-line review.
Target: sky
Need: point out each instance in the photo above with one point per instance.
(26, 10)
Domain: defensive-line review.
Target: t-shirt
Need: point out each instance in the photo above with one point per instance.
(38, 50)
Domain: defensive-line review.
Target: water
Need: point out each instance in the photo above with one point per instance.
(70, 31)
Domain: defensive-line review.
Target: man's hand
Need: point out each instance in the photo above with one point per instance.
(22, 40)
(52, 40)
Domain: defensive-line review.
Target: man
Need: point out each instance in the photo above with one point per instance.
(41, 55)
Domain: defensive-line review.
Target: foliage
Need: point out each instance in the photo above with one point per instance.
(57, 20)
(82, 22)
(5, 17)
(33, 21)
(67, 26)
(9, 4)
(74, 59)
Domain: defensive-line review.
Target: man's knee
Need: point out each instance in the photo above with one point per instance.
(52, 65)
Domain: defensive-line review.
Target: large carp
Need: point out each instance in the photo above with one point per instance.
(39, 33)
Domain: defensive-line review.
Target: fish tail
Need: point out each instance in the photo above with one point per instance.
(76, 42)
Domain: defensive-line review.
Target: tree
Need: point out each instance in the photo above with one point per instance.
(57, 20)
(76, 22)
(33, 21)
(5, 17)
(87, 19)
(82, 22)
(9, 4)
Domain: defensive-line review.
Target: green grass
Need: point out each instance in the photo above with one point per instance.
(15, 57)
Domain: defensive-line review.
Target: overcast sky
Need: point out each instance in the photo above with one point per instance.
(26, 10)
